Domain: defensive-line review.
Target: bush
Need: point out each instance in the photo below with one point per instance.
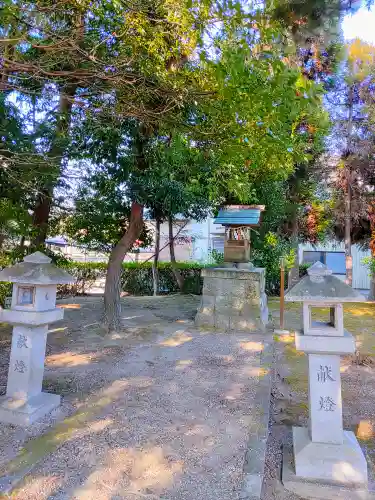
(369, 262)
(137, 278)
(85, 274)
(303, 269)
(5, 291)
(268, 253)
(5, 288)
(216, 257)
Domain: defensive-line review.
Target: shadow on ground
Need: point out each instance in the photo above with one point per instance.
(158, 410)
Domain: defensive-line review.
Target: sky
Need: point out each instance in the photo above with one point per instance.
(360, 25)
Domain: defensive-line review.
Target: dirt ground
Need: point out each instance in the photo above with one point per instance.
(159, 410)
(289, 402)
(109, 384)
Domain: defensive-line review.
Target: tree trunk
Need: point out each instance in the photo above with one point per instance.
(41, 216)
(22, 245)
(371, 213)
(176, 272)
(348, 196)
(155, 271)
(372, 289)
(112, 305)
(348, 235)
(44, 199)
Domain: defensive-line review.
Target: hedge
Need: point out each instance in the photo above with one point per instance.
(136, 278)
(5, 288)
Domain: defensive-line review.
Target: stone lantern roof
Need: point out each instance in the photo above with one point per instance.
(36, 269)
(321, 286)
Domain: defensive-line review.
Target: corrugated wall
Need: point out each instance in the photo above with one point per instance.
(361, 277)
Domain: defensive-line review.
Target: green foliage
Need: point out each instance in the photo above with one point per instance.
(136, 278)
(369, 262)
(179, 105)
(268, 254)
(176, 180)
(216, 257)
(352, 95)
(14, 219)
(259, 139)
(5, 288)
(85, 275)
(5, 291)
(5, 260)
(303, 269)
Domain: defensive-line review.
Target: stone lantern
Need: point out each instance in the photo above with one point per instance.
(32, 309)
(233, 296)
(328, 461)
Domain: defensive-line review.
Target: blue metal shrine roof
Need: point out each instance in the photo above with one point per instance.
(239, 215)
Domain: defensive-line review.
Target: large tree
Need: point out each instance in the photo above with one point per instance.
(352, 146)
(215, 72)
(109, 56)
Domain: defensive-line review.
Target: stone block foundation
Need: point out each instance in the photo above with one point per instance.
(233, 300)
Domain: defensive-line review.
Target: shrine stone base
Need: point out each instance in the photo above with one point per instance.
(21, 412)
(233, 299)
(325, 471)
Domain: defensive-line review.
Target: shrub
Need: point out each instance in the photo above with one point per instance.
(5, 291)
(216, 257)
(85, 274)
(369, 262)
(5, 288)
(268, 254)
(137, 278)
(303, 269)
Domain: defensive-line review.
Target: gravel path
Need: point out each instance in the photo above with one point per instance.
(173, 418)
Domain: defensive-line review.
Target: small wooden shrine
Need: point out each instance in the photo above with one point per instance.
(233, 295)
(238, 221)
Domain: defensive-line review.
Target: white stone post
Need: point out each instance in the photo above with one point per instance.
(33, 308)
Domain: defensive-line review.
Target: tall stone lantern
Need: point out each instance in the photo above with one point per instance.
(33, 308)
(233, 296)
(328, 461)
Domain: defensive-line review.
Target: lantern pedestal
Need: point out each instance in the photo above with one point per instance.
(233, 299)
(318, 489)
(25, 412)
(342, 463)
